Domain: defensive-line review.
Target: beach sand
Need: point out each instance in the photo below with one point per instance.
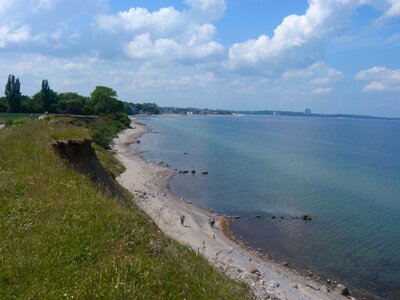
(148, 182)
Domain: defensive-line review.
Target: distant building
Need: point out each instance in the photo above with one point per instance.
(307, 112)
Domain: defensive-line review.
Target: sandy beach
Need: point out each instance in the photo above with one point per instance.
(148, 182)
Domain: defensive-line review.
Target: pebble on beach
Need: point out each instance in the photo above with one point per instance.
(342, 290)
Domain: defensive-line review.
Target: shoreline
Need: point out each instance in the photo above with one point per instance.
(356, 292)
(148, 182)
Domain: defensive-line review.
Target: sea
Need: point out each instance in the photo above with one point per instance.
(344, 173)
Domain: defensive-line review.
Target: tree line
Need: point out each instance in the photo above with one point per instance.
(103, 100)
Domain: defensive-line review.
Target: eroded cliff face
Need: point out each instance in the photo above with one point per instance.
(82, 157)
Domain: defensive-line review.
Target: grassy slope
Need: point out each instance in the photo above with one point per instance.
(60, 236)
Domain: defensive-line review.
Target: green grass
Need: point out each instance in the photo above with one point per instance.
(13, 118)
(61, 237)
(108, 160)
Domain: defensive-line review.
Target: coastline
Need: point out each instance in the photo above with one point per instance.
(148, 183)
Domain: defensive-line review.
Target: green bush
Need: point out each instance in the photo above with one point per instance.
(108, 127)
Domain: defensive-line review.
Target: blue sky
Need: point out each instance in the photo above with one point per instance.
(334, 56)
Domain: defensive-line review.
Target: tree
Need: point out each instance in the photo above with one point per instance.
(13, 93)
(71, 103)
(104, 100)
(151, 108)
(3, 104)
(128, 109)
(32, 105)
(48, 97)
(148, 108)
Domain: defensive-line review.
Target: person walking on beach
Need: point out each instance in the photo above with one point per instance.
(182, 220)
(212, 222)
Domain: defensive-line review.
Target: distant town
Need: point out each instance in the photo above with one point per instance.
(220, 112)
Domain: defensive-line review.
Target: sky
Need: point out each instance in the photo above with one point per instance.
(333, 56)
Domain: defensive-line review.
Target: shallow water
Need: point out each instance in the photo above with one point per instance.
(344, 173)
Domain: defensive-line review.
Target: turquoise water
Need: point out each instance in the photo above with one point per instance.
(344, 173)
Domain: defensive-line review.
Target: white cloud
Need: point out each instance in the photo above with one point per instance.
(317, 73)
(375, 86)
(163, 21)
(321, 91)
(14, 36)
(144, 48)
(317, 79)
(394, 9)
(380, 79)
(391, 8)
(207, 10)
(167, 35)
(297, 41)
(331, 76)
(166, 50)
(40, 21)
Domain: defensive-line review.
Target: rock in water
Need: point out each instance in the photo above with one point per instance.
(163, 164)
(342, 290)
(306, 217)
(193, 172)
(205, 173)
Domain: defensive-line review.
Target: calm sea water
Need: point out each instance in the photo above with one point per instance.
(344, 173)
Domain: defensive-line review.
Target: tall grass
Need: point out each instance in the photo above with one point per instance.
(61, 237)
(13, 118)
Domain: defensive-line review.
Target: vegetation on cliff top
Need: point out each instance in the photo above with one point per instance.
(103, 100)
(61, 237)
